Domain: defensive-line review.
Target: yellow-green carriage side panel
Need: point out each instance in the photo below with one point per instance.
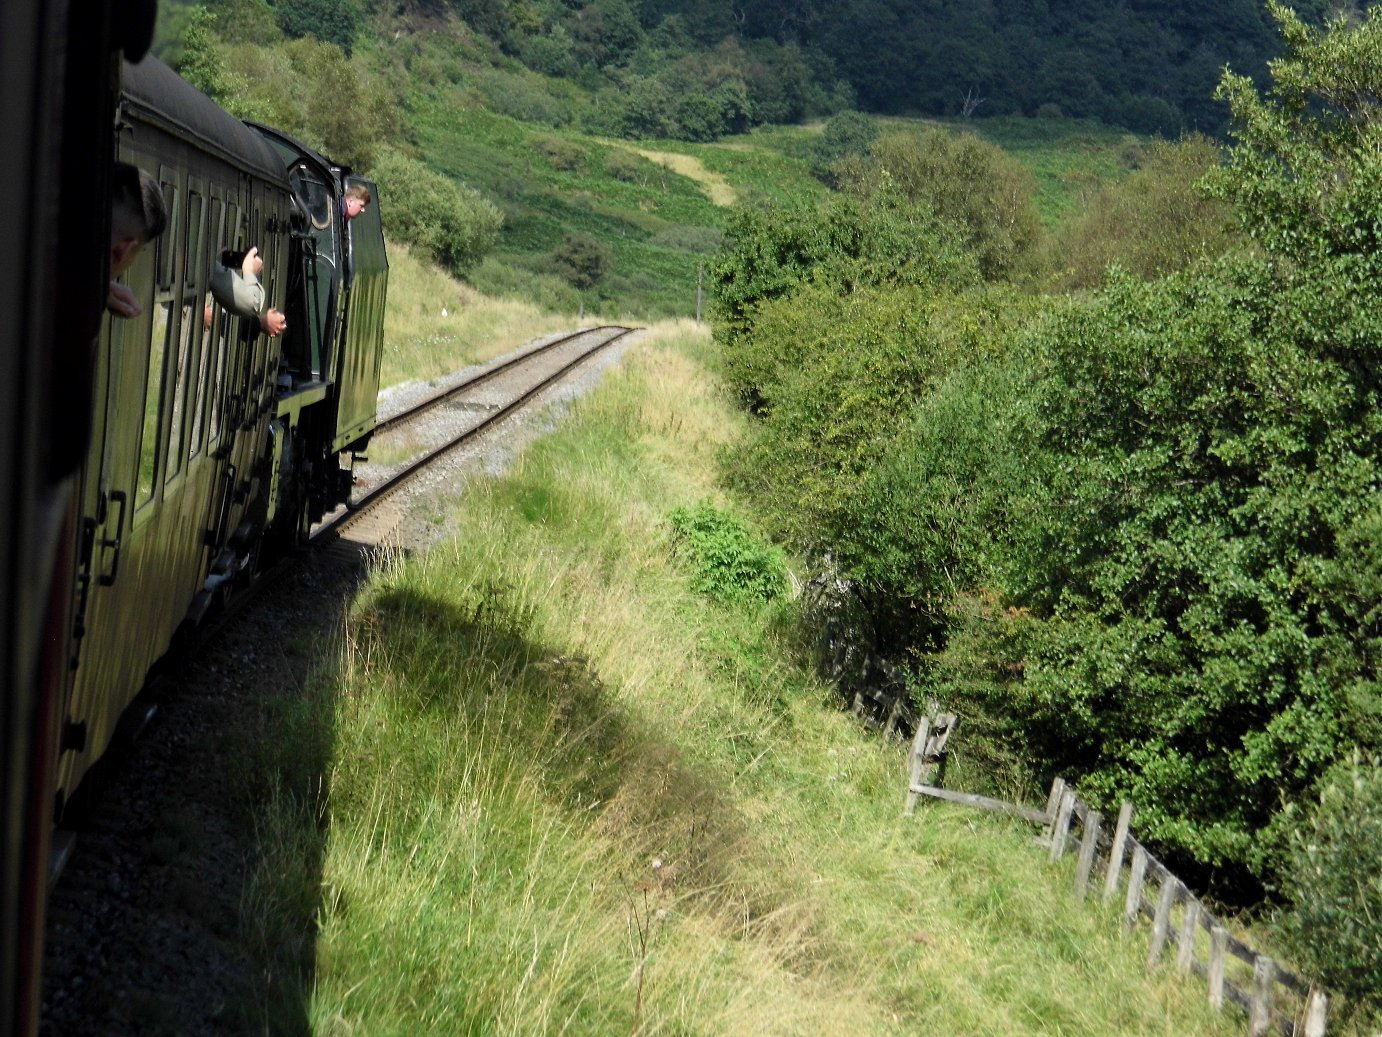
(362, 344)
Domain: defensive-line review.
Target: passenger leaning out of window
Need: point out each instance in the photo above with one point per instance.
(355, 200)
(138, 214)
(235, 284)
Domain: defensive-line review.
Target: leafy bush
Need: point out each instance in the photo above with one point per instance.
(975, 185)
(582, 261)
(455, 224)
(702, 240)
(247, 21)
(628, 167)
(846, 133)
(776, 251)
(883, 421)
(331, 21)
(349, 114)
(550, 53)
(525, 97)
(728, 561)
(1200, 467)
(198, 60)
(1333, 880)
(1153, 223)
(564, 154)
(544, 290)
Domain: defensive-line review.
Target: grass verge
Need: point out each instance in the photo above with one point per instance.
(435, 325)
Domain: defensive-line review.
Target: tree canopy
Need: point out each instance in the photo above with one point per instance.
(1131, 532)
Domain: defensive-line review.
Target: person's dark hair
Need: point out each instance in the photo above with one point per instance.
(137, 206)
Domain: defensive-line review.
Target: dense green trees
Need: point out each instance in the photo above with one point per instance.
(331, 21)
(1131, 533)
(1150, 66)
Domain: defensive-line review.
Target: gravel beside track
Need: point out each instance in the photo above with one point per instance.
(142, 926)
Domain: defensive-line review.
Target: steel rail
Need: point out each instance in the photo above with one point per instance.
(480, 377)
(357, 509)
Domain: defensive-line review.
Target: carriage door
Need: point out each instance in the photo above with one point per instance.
(315, 259)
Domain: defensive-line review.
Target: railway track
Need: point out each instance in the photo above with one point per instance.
(142, 934)
(406, 442)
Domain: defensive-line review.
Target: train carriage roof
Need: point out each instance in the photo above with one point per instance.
(163, 97)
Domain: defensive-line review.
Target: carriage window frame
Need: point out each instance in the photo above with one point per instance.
(151, 454)
(219, 335)
(168, 242)
(185, 328)
(196, 277)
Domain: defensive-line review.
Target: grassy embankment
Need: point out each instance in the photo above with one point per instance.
(561, 793)
(435, 325)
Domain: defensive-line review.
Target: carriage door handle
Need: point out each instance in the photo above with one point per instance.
(113, 543)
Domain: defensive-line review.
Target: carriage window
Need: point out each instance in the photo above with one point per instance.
(214, 324)
(153, 396)
(168, 242)
(196, 272)
(218, 342)
(313, 196)
(194, 261)
(196, 317)
(184, 347)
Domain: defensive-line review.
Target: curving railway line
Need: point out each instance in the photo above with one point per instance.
(415, 437)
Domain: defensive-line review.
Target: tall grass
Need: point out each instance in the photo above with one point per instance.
(568, 795)
(434, 324)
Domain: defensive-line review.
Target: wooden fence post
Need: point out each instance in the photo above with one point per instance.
(1189, 923)
(1052, 805)
(894, 714)
(1118, 851)
(918, 760)
(1260, 1016)
(1089, 843)
(1161, 922)
(1218, 950)
(1061, 831)
(1132, 905)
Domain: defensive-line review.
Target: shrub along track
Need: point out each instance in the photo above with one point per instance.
(147, 927)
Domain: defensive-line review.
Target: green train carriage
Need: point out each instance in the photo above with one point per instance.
(214, 444)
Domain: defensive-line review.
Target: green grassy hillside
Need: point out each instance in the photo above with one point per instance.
(659, 206)
(660, 218)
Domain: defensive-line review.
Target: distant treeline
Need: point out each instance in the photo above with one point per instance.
(698, 67)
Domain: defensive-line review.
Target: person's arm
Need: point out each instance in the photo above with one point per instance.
(273, 322)
(121, 301)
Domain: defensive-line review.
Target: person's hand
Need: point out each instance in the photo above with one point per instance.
(206, 317)
(121, 301)
(273, 322)
(252, 264)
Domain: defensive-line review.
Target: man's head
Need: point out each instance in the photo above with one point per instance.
(355, 200)
(138, 214)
